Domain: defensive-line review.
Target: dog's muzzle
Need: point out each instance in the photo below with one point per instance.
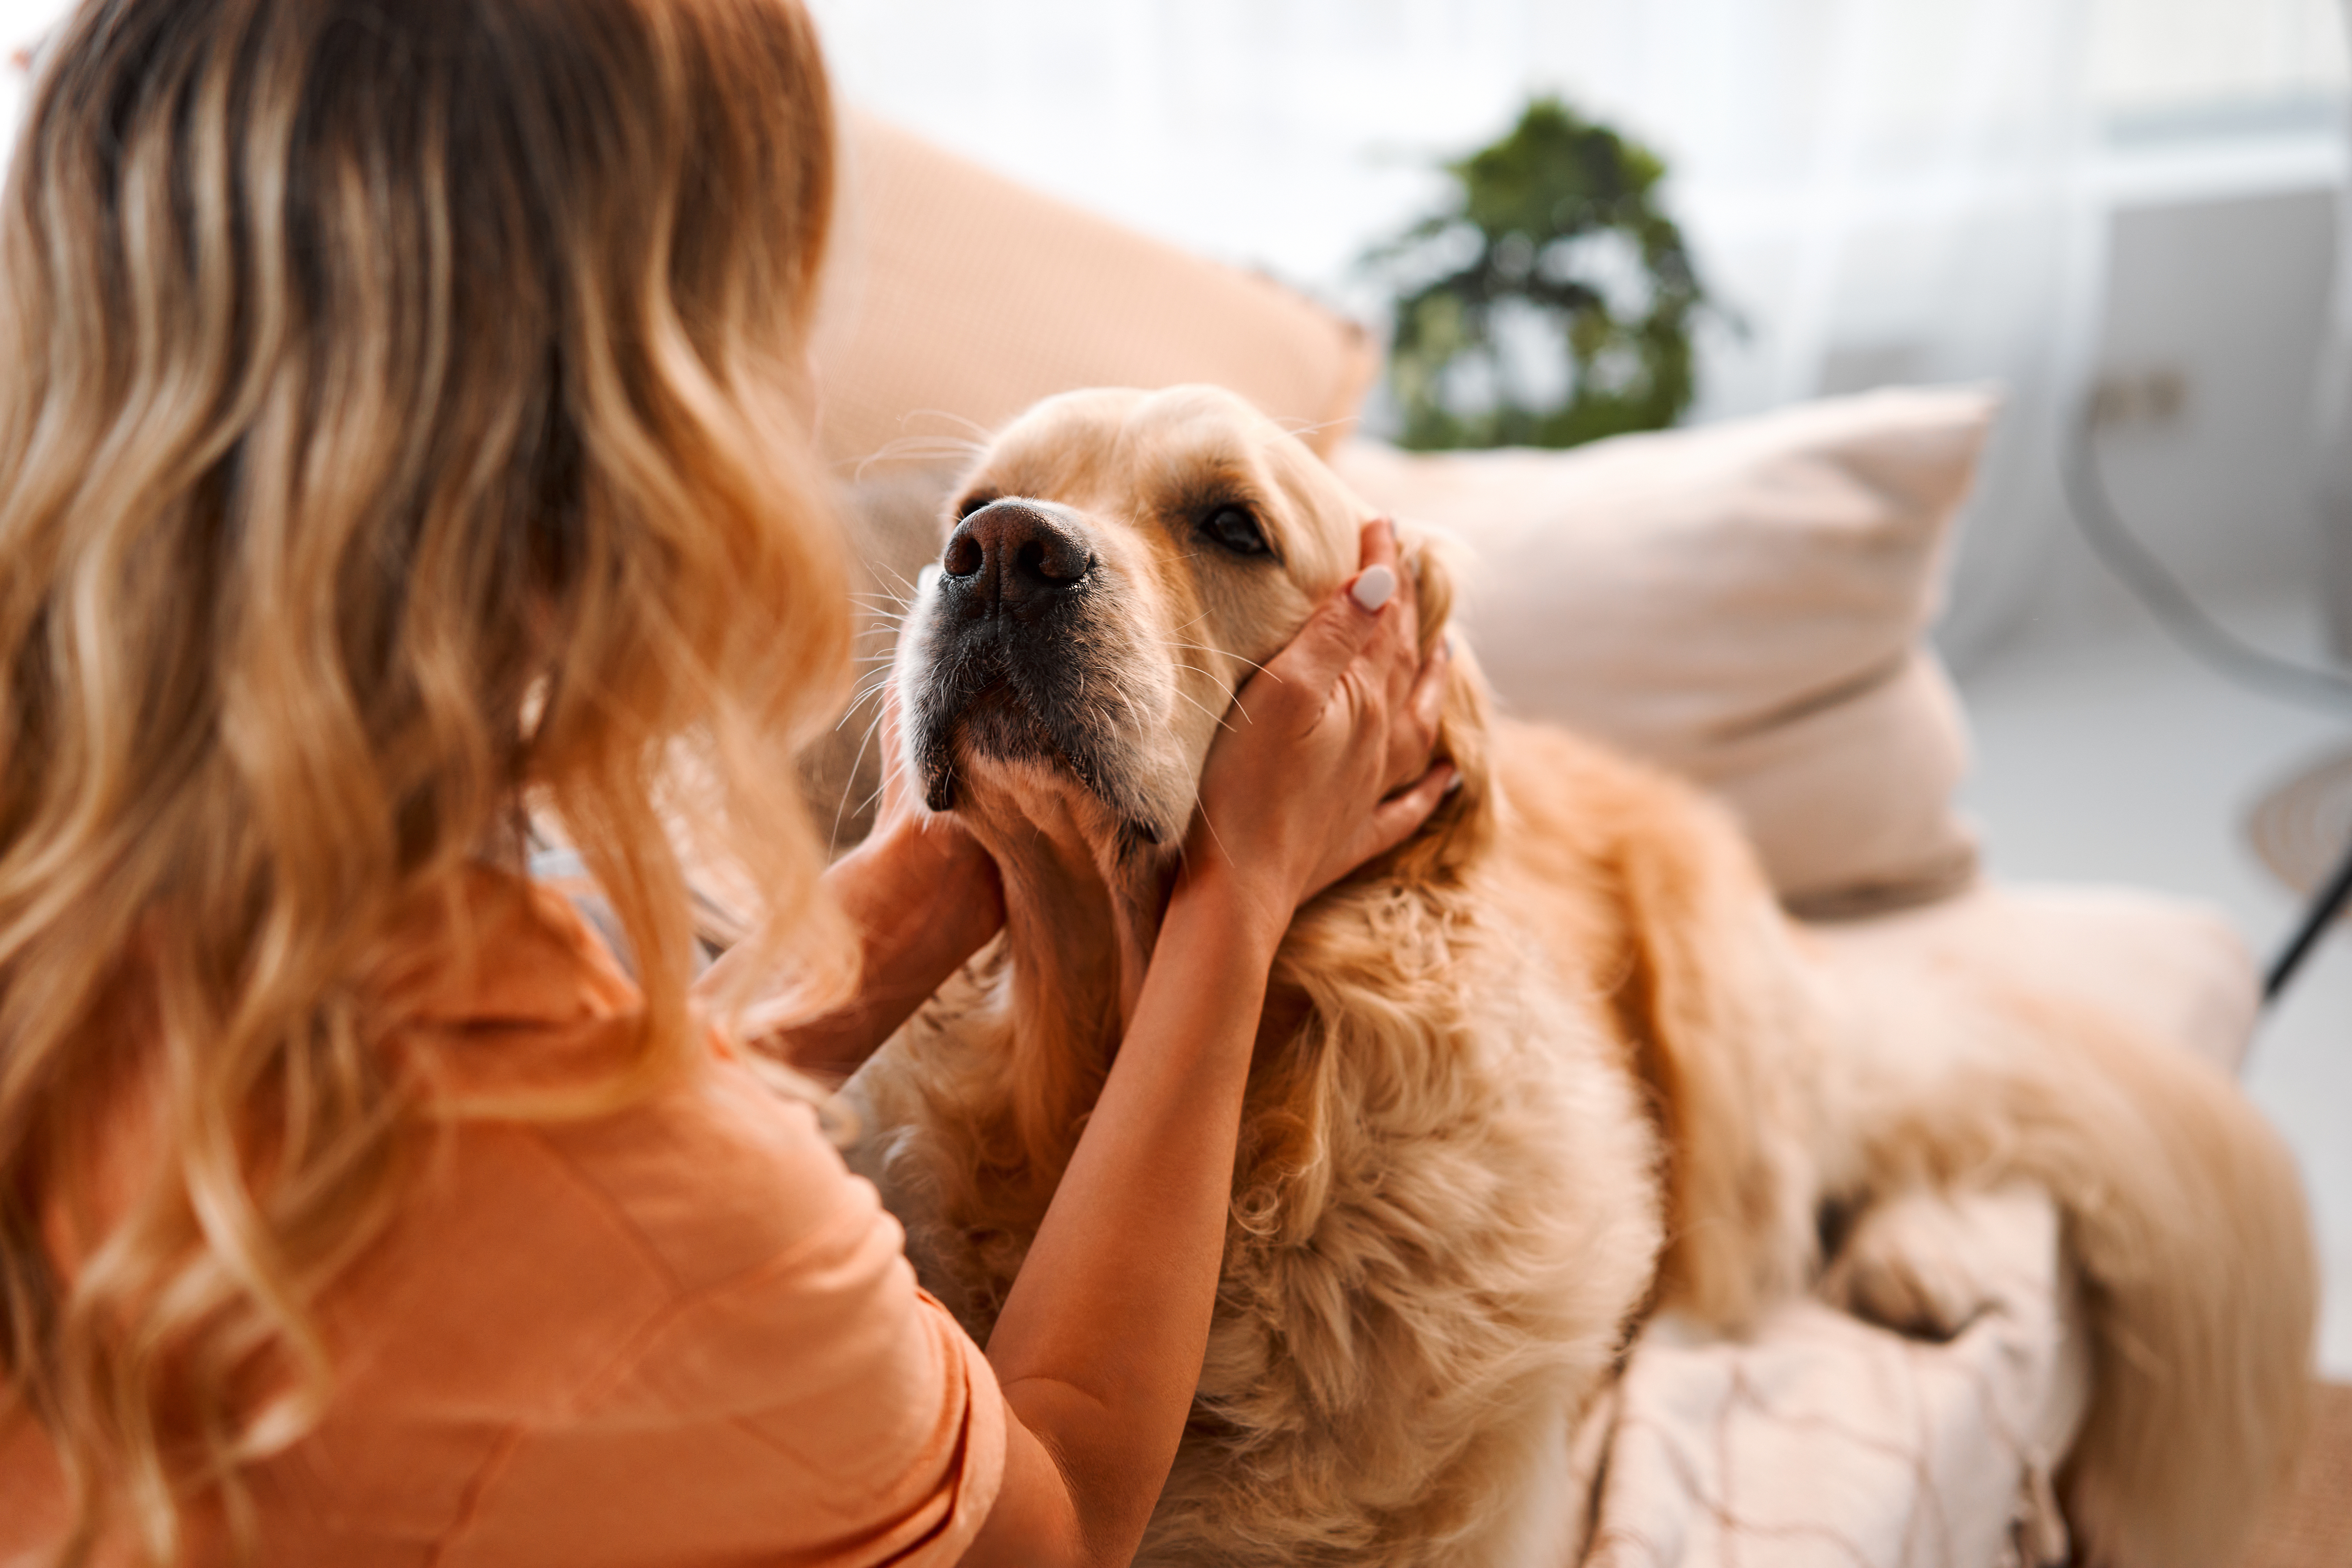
(1005, 652)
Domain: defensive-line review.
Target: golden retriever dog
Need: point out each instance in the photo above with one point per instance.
(1556, 1062)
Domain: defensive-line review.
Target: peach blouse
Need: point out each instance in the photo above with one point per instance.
(681, 1333)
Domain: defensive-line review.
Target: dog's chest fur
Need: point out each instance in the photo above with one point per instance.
(1445, 1210)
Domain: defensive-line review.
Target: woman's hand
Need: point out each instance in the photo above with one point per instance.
(930, 857)
(1324, 763)
(923, 897)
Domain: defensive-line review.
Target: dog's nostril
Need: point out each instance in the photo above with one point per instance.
(1014, 557)
(1044, 561)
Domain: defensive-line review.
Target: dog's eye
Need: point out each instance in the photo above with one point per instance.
(1234, 528)
(971, 504)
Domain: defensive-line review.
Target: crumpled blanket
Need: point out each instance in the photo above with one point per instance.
(1821, 1439)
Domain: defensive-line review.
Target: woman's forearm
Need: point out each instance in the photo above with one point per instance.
(1100, 1344)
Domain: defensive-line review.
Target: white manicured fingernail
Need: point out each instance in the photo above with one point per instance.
(1373, 588)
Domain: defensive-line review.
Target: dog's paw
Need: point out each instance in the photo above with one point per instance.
(1908, 1264)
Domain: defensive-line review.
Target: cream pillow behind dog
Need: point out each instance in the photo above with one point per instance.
(1744, 601)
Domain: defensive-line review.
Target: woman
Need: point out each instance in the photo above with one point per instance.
(402, 423)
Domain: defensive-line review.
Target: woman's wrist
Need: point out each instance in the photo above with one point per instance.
(1214, 896)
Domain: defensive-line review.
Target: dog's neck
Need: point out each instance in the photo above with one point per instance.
(1083, 905)
(1080, 920)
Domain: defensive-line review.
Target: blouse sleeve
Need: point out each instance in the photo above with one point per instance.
(795, 1399)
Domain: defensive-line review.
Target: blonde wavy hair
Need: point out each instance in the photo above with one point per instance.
(401, 415)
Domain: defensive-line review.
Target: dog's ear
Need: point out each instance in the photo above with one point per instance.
(1463, 823)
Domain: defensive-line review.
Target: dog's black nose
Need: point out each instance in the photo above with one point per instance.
(1010, 556)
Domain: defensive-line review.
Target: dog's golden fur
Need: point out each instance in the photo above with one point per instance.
(1557, 1061)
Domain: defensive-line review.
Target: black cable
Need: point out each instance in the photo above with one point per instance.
(2316, 919)
(2213, 644)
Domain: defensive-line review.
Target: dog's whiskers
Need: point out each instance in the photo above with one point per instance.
(833, 841)
(1223, 723)
(914, 448)
(911, 588)
(1129, 703)
(867, 803)
(982, 434)
(1221, 653)
(876, 686)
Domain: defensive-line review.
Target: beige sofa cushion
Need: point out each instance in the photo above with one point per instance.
(954, 299)
(1744, 601)
(2167, 967)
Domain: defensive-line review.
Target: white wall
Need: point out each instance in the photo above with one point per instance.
(2229, 298)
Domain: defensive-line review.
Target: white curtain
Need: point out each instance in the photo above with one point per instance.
(1881, 190)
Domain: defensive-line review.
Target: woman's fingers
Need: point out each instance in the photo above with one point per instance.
(1399, 817)
(1430, 687)
(1329, 764)
(1420, 713)
(1401, 628)
(1400, 695)
(1393, 652)
(1339, 633)
(1392, 822)
(1354, 634)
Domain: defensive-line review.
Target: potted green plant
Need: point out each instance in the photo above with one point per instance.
(1554, 264)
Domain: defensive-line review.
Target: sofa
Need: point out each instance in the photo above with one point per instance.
(1746, 602)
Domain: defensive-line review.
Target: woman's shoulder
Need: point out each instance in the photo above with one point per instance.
(689, 1294)
(539, 1135)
